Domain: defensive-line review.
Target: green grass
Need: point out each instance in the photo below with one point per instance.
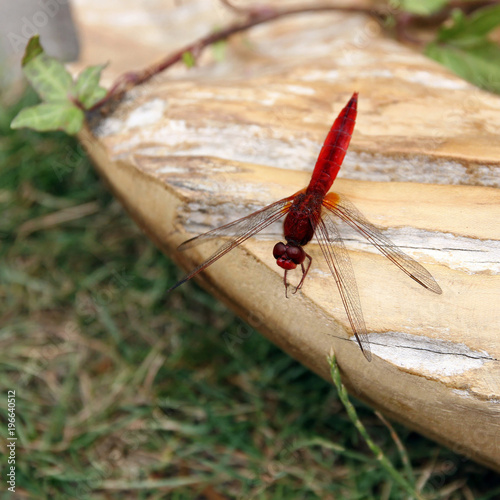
(123, 391)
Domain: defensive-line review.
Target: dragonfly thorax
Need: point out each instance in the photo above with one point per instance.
(300, 223)
(288, 256)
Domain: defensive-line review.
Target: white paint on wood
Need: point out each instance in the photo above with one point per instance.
(149, 113)
(434, 356)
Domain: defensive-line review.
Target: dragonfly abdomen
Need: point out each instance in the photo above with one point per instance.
(334, 149)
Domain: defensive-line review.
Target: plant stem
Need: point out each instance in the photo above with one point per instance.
(353, 416)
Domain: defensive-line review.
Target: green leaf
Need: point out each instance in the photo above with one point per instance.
(87, 90)
(64, 100)
(464, 47)
(188, 59)
(219, 50)
(470, 30)
(47, 75)
(50, 116)
(479, 64)
(33, 49)
(423, 7)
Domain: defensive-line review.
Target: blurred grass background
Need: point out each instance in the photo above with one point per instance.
(124, 391)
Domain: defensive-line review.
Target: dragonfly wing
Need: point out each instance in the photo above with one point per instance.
(351, 215)
(238, 231)
(338, 261)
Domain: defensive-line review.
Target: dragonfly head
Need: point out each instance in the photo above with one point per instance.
(288, 256)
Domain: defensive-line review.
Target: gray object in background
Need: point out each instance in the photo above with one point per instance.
(20, 20)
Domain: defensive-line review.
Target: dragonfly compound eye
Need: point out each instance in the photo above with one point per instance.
(279, 250)
(296, 254)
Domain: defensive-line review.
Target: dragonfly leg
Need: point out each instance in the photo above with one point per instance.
(286, 284)
(305, 270)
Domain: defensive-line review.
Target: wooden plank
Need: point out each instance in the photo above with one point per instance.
(190, 153)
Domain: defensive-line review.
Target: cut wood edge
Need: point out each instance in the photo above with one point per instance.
(155, 206)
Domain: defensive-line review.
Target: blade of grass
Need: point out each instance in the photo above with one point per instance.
(402, 450)
(353, 416)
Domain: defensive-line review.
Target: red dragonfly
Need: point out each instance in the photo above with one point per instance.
(314, 211)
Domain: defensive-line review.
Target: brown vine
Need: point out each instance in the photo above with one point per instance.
(259, 14)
